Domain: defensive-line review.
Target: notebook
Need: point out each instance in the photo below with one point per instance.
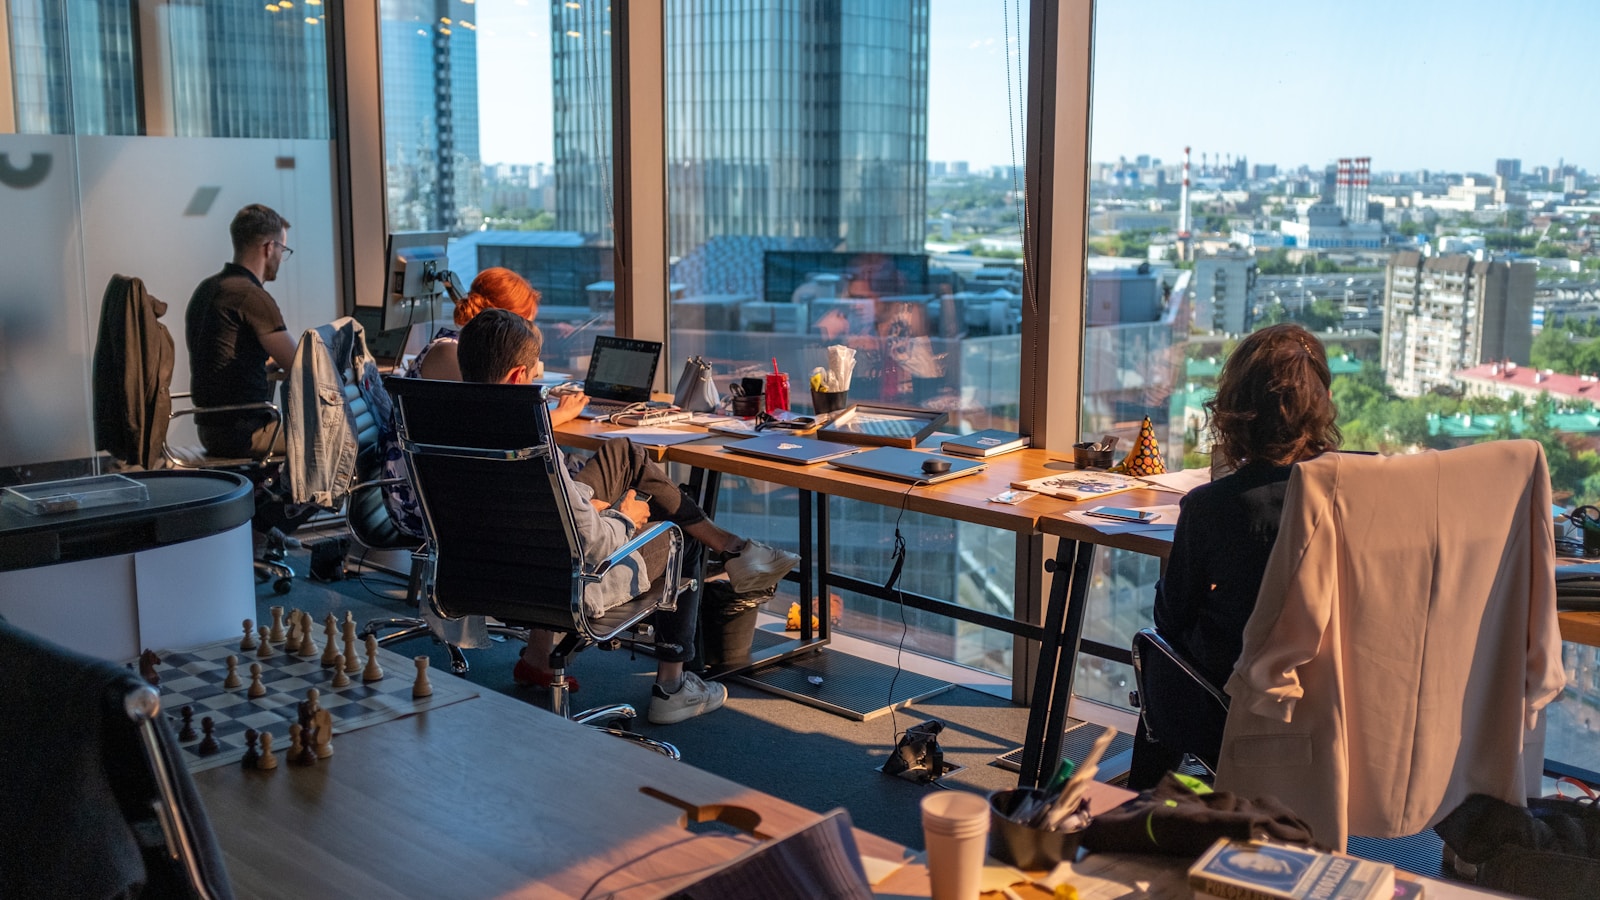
(621, 371)
(795, 450)
(906, 465)
(985, 443)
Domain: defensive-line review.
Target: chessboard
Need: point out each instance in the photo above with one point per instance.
(194, 678)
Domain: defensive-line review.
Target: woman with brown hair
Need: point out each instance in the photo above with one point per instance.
(1273, 408)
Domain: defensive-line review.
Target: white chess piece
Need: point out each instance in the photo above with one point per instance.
(308, 643)
(330, 649)
(265, 650)
(249, 641)
(352, 663)
(276, 634)
(324, 742)
(421, 688)
(341, 678)
(373, 671)
(268, 760)
(232, 681)
(257, 689)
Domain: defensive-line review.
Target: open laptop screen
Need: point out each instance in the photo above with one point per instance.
(622, 369)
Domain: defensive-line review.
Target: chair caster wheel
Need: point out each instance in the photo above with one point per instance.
(282, 586)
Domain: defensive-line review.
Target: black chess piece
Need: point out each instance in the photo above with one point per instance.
(208, 744)
(148, 660)
(186, 733)
(251, 754)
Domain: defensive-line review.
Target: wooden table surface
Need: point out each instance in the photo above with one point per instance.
(489, 797)
(1581, 627)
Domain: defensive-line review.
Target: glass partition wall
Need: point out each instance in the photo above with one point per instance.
(129, 136)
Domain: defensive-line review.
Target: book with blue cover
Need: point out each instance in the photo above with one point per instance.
(1248, 870)
(986, 443)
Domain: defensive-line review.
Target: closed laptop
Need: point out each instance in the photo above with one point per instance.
(908, 465)
(797, 451)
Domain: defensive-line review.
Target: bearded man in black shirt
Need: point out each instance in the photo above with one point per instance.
(234, 331)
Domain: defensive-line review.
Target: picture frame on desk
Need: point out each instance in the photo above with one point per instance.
(883, 426)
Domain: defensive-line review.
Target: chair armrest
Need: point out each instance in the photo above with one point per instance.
(669, 598)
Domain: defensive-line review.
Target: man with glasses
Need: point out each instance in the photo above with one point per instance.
(235, 331)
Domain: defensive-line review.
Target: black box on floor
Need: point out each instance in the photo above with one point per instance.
(327, 558)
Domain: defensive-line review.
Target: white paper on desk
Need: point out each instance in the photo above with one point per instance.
(1180, 482)
(1113, 876)
(656, 435)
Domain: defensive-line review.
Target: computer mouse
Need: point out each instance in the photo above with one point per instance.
(935, 466)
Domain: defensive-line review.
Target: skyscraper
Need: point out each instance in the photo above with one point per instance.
(230, 70)
(430, 111)
(785, 119)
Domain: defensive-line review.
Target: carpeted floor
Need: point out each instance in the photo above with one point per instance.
(806, 756)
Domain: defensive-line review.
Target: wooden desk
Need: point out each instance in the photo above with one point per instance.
(489, 797)
(1581, 628)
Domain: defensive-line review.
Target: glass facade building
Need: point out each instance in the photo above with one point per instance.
(73, 67)
(430, 112)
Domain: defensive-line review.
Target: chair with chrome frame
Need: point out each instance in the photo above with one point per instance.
(97, 801)
(260, 470)
(1178, 707)
(502, 534)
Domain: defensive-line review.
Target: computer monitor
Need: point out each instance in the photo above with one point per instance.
(415, 289)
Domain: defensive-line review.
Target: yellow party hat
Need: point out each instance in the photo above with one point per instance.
(1144, 458)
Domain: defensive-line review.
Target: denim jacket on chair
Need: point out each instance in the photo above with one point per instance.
(322, 440)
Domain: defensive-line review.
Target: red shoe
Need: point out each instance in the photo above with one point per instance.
(526, 675)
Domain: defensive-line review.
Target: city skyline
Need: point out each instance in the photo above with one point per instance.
(1354, 81)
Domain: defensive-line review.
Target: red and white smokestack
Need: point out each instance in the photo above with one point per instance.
(1183, 200)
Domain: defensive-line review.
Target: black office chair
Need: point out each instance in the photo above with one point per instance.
(1177, 706)
(96, 800)
(502, 536)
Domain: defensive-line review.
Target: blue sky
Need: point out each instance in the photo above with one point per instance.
(1437, 84)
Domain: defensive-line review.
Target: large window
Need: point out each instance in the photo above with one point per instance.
(497, 131)
(851, 179)
(1443, 256)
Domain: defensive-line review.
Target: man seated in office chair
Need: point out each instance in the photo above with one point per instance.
(236, 336)
(615, 494)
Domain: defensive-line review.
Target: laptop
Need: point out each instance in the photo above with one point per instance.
(621, 372)
(906, 465)
(797, 451)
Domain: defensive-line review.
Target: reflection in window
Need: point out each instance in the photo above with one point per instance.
(73, 67)
(825, 189)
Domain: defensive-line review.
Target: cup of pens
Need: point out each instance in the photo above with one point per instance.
(1019, 831)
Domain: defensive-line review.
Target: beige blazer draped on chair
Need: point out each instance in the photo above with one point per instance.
(1404, 637)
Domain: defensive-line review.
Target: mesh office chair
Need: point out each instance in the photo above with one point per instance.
(502, 536)
(1177, 706)
(96, 801)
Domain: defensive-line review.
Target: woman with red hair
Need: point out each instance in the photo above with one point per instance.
(495, 288)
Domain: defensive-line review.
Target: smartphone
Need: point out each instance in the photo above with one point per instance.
(641, 496)
(1125, 515)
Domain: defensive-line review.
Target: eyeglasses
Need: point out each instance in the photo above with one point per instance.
(287, 250)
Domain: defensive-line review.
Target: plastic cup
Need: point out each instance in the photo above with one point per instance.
(955, 829)
(777, 392)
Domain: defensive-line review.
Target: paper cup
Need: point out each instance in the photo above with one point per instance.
(955, 828)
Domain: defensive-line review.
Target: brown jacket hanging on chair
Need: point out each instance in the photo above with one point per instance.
(133, 358)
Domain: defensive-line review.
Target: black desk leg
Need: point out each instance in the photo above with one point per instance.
(1058, 658)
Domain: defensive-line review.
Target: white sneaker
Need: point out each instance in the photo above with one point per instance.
(692, 698)
(758, 567)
